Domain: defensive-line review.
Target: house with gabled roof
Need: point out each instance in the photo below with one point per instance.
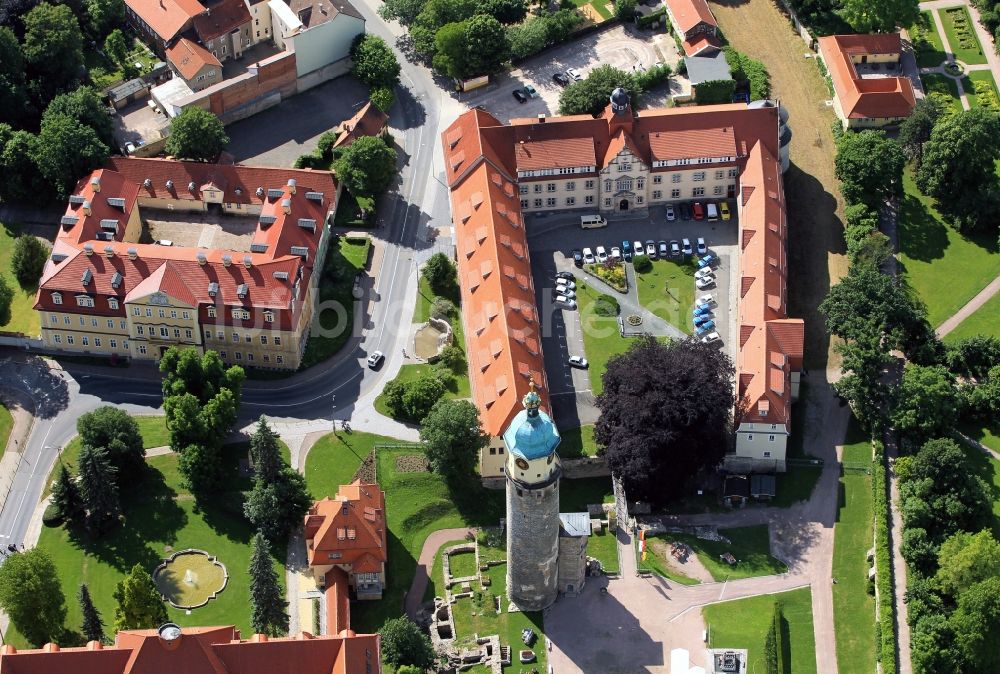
(694, 23)
(616, 163)
(346, 540)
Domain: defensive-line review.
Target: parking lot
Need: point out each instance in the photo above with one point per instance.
(552, 239)
(624, 47)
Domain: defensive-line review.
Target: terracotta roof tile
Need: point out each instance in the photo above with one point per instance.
(350, 525)
(189, 58)
(368, 121)
(700, 43)
(555, 153)
(167, 18)
(223, 18)
(690, 143)
(689, 13)
(866, 98)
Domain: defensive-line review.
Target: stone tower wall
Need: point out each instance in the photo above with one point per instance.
(532, 544)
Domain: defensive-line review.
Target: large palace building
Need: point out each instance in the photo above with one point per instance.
(621, 161)
(241, 282)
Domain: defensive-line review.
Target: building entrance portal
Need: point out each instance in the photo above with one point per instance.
(623, 205)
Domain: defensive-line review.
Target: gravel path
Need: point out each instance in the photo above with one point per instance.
(415, 595)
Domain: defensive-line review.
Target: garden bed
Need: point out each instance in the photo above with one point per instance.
(611, 274)
(962, 35)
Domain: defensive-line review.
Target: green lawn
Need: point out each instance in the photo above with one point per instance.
(463, 564)
(154, 431)
(601, 339)
(988, 468)
(457, 388)
(577, 442)
(927, 41)
(598, 6)
(750, 545)
(937, 83)
(945, 268)
(982, 322)
(477, 615)
(604, 547)
(576, 495)
(987, 436)
(967, 49)
(23, 318)
(6, 425)
(968, 83)
(344, 260)
(744, 623)
(656, 562)
(435, 582)
(334, 460)
(161, 517)
(668, 292)
(853, 607)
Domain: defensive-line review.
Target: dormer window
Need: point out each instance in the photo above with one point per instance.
(211, 311)
(112, 302)
(269, 317)
(56, 298)
(84, 301)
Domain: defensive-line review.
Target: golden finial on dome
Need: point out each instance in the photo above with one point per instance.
(532, 401)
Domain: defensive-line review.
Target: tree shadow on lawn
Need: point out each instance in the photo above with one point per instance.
(982, 465)
(923, 232)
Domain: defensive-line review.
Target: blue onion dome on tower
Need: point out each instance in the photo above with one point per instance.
(532, 434)
(619, 101)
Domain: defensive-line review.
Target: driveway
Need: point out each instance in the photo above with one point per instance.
(624, 47)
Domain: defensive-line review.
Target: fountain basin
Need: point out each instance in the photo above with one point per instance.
(190, 578)
(431, 338)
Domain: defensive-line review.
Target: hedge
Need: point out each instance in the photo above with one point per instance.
(714, 92)
(885, 631)
(650, 19)
(749, 72)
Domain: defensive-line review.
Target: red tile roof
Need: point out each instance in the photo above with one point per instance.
(338, 600)
(689, 13)
(555, 153)
(189, 58)
(481, 162)
(351, 526)
(866, 98)
(220, 19)
(273, 277)
(203, 650)
(368, 121)
(701, 42)
(166, 18)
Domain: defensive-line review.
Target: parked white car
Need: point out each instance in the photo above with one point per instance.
(588, 256)
(616, 253)
(705, 272)
(565, 302)
(707, 299)
(711, 338)
(703, 283)
(564, 283)
(602, 255)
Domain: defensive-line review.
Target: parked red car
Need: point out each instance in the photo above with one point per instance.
(699, 210)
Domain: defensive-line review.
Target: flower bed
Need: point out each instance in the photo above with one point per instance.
(612, 273)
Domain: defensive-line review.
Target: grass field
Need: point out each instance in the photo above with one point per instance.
(930, 50)
(982, 322)
(744, 623)
(604, 547)
(988, 468)
(853, 607)
(344, 260)
(968, 83)
(656, 562)
(598, 5)
(576, 495)
(435, 582)
(577, 442)
(987, 436)
(161, 516)
(457, 388)
(6, 425)
(601, 339)
(815, 230)
(334, 459)
(463, 564)
(937, 83)
(750, 545)
(958, 26)
(668, 292)
(23, 318)
(945, 268)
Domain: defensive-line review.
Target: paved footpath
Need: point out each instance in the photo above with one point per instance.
(970, 308)
(425, 563)
(639, 620)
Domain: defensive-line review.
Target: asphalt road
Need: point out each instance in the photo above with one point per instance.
(419, 198)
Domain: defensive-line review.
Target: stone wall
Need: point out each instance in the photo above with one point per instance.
(532, 545)
(588, 466)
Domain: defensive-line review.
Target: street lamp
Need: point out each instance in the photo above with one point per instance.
(333, 412)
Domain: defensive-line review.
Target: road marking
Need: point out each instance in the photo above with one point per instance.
(313, 399)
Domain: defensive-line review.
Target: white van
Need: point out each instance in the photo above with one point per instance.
(590, 221)
(711, 211)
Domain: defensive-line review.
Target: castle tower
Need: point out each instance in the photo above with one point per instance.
(533, 472)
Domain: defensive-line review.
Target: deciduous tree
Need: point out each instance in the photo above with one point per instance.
(85, 106)
(452, 435)
(440, 274)
(66, 149)
(6, 299)
(404, 11)
(98, 488)
(374, 62)
(93, 626)
(593, 94)
(916, 129)
(268, 614)
(925, 404)
(976, 624)
(666, 414)
(403, 643)
(367, 166)
(201, 466)
(958, 168)
(103, 16)
(140, 605)
(966, 559)
(420, 395)
(196, 134)
(116, 45)
(487, 45)
(31, 595)
(506, 11)
(117, 432)
(869, 166)
(879, 16)
(28, 259)
(53, 50)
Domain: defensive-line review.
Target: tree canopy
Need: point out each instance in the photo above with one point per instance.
(966, 559)
(66, 496)
(99, 488)
(958, 168)
(115, 430)
(367, 166)
(28, 259)
(268, 614)
(66, 149)
(52, 49)
(196, 134)
(30, 594)
(869, 166)
(666, 413)
(6, 299)
(592, 94)
(374, 62)
(404, 643)
(139, 603)
(279, 498)
(452, 435)
(916, 129)
(976, 625)
(879, 16)
(440, 273)
(93, 626)
(926, 403)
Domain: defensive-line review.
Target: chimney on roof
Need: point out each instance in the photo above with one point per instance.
(51, 647)
(170, 184)
(94, 646)
(169, 635)
(147, 183)
(247, 261)
(541, 118)
(109, 251)
(133, 253)
(227, 260)
(291, 185)
(202, 259)
(86, 207)
(88, 249)
(286, 205)
(191, 186)
(95, 182)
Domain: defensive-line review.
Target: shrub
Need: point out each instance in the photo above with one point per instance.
(642, 264)
(612, 273)
(606, 305)
(452, 357)
(52, 517)
(886, 627)
(442, 308)
(986, 95)
(714, 92)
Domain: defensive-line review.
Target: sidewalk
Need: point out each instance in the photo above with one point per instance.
(970, 308)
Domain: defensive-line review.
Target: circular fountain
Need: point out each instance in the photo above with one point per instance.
(190, 578)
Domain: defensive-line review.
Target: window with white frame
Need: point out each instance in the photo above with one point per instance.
(277, 341)
(607, 185)
(263, 339)
(164, 333)
(93, 322)
(523, 189)
(570, 186)
(589, 199)
(149, 312)
(249, 339)
(113, 343)
(186, 315)
(97, 342)
(524, 203)
(657, 194)
(640, 183)
(142, 349)
(675, 194)
(607, 202)
(173, 313)
(279, 359)
(239, 355)
(113, 303)
(269, 317)
(136, 311)
(538, 188)
(66, 320)
(58, 339)
(163, 313)
(538, 203)
(208, 335)
(719, 174)
(236, 336)
(122, 325)
(550, 187)
(177, 333)
(623, 184)
(139, 330)
(624, 166)
(731, 173)
(588, 185)
(749, 437)
(84, 301)
(717, 190)
(211, 311)
(767, 455)
(85, 340)
(698, 176)
(56, 298)
(675, 177)
(550, 202)
(53, 319)
(70, 339)
(571, 201)
(657, 180)
(639, 199)
(698, 192)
